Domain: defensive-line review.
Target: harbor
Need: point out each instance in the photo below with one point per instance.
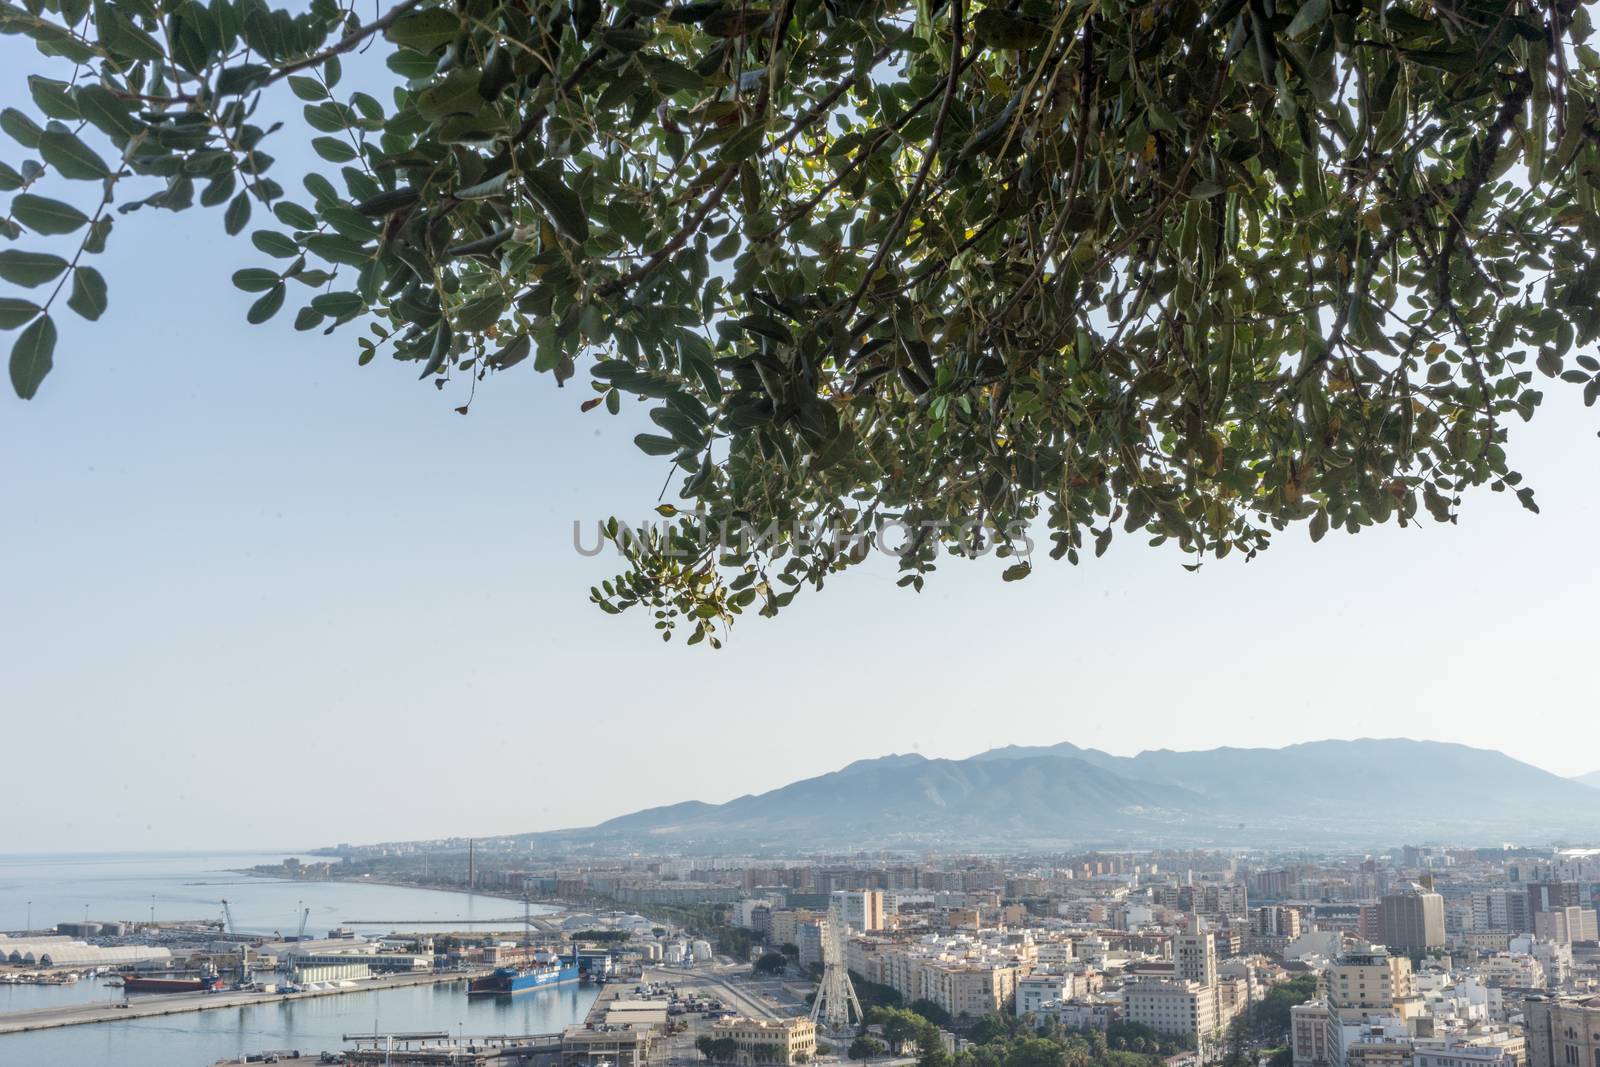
(157, 1006)
(285, 985)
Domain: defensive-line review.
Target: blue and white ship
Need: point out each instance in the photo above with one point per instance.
(537, 975)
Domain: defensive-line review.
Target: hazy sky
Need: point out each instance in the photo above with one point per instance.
(254, 595)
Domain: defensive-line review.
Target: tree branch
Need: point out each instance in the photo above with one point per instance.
(346, 43)
(957, 26)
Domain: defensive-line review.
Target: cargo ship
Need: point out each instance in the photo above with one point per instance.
(171, 982)
(521, 979)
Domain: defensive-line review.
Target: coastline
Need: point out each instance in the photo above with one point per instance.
(553, 904)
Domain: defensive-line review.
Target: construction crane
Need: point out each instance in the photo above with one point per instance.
(305, 914)
(227, 918)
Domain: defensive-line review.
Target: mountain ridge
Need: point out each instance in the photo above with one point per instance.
(1366, 790)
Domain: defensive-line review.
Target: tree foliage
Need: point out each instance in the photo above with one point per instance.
(771, 963)
(931, 275)
(865, 1048)
(1272, 1015)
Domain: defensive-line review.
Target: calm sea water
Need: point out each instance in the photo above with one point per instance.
(64, 888)
(191, 886)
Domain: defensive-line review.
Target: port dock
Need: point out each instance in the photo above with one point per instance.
(157, 1004)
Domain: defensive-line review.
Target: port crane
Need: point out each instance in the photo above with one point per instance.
(227, 918)
(305, 915)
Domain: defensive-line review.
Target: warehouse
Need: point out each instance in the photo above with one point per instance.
(96, 956)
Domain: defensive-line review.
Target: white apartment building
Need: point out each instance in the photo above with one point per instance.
(1034, 991)
(1174, 1007)
(862, 909)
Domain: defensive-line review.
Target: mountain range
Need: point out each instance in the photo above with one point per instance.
(1590, 779)
(1368, 791)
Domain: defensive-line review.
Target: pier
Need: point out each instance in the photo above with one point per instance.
(157, 1004)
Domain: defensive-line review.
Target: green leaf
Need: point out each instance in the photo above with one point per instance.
(275, 244)
(338, 305)
(425, 31)
(9, 178)
(333, 149)
(255, 279)
(119, 35)
(53, 97)
(515, 351)
(266, 307)
(456, 94)
(107, 112)
(1460, 61)
(237, 215)
(1016, 572)
(493, 187)
(31, 356)
(88, 293)
(236, 81)
(20, 127)
(1312, 13)
(652, 444)
(45, 216)
(292, 214)
(71, 157)
(307, 88)
(560, 203)
(1001, 29)
(30, 269)
(15, 312)
(729, 22)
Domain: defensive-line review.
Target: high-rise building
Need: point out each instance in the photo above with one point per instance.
(1566, 925)
(1373, 981)
(1501, 909)
(1562, 1031)
(1412, 919)
(1194, 957)
(862, 909)
(1550, 896)
(1276, 921)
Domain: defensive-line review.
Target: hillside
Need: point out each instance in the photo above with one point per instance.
(1359, 792)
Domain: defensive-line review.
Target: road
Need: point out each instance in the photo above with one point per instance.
(154, 1004)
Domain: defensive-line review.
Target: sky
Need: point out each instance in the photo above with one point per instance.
(254, 595)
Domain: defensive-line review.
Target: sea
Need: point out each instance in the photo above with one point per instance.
(42, 890)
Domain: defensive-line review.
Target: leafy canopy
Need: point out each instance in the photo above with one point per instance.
(950, 271)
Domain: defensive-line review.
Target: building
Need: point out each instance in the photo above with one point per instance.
(1562, 1031)
(1466, 1054)
(1548, 896)
(1308, 1033)
(1173, 1007)
(971, 990)
(1412, 920)
(1565, 924)
(862, 909)
(1034, 991)
(1275, 921)
(1372, 981)
(762, 1041)
(1083, 1014)
(1502, 910)
(809, 935)
(315, 974)
(616, 1046)
(785, 925)
(1194, 957)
